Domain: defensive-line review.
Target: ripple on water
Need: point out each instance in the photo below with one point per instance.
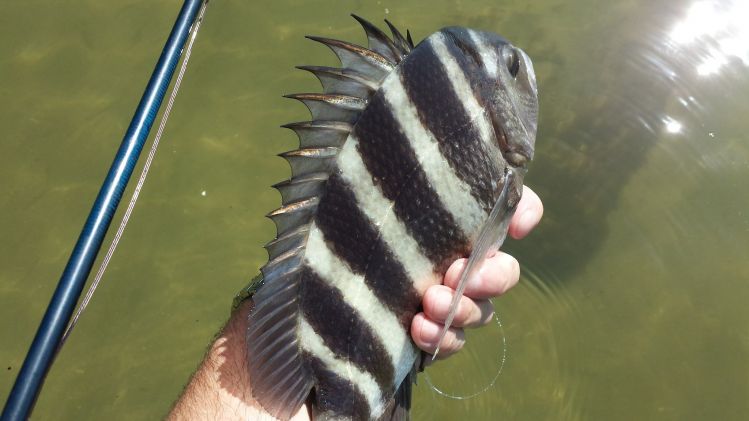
(533, 347)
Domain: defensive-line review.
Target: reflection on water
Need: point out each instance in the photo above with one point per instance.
(718, 29)
(672, 126)
(706, 41)
(632, 303)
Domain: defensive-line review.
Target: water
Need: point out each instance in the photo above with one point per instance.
(632, 303)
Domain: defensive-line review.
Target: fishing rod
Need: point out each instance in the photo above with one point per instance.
(57, 316)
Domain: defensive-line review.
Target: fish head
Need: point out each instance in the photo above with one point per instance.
(504, 82)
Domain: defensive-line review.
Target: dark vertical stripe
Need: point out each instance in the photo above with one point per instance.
(336, 396)
(353, 238)
(388, 156)
(443, 114)
(342, 330)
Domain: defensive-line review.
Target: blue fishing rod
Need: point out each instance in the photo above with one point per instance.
(57, 316)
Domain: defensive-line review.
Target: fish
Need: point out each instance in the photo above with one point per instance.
(413, 154)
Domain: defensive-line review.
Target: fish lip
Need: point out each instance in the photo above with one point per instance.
(504, 146)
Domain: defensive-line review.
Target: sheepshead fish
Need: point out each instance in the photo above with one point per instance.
(408, 152)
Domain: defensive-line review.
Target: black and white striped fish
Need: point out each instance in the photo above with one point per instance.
(406, 154)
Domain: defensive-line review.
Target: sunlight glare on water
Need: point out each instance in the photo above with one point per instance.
(723, 25)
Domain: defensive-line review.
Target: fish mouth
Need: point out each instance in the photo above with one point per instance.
(516, 159)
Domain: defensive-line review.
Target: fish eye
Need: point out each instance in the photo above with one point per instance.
(512, 60)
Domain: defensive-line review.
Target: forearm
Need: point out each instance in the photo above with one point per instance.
(220, 388)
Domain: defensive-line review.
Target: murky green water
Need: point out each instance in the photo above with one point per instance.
(633, 299)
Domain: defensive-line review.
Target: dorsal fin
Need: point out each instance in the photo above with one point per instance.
(281, 380)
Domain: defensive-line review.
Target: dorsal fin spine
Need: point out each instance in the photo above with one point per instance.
(293, 238)
(379, 42)
(402, 43)
(310, 160)
(372, 57)
(360, 59)
(293, 214)
(302, 187)
(320, 133)
(342, 81)
(333, 107)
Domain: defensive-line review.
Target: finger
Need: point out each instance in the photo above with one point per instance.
(527, 215)
(498, 274)
(470, 313)
(425, 334)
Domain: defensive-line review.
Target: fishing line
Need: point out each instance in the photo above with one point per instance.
(141, 180)
(491, 383)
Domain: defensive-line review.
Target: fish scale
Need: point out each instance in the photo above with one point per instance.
(396, 175)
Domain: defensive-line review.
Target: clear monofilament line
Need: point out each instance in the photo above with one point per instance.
(490, 238)
(492, 382)
(141, 181)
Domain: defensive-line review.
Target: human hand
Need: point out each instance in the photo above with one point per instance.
(498, 274)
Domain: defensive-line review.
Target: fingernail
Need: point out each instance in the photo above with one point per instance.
(430, 330)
